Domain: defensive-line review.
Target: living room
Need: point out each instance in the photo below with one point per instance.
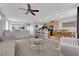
(43, 29)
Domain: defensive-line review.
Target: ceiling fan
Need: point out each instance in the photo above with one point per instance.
(29, 10)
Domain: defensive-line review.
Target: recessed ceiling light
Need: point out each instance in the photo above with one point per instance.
(57, 13)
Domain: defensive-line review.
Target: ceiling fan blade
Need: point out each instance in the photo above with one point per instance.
(33, 13)
(26, 12)
(22, 9)
(35, 10)
(29, 7)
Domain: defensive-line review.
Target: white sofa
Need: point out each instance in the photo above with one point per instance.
(69, 46)
(7, 45)
(7, 48)
(21, 34)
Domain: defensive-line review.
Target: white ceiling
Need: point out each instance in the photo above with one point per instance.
(47, 11)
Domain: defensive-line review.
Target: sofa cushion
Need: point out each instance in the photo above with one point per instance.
(69, 41)
(69, 46)
(7, 33)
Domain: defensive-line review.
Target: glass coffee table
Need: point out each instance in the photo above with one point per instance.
(37, 45)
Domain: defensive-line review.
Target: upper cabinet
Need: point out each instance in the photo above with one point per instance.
(55, 24)
(69, 24)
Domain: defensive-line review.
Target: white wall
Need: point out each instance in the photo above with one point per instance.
(19, 34)
(26, 32)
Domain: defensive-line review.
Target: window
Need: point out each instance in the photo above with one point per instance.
(30, 29)
(6, 25)
(0, 17)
